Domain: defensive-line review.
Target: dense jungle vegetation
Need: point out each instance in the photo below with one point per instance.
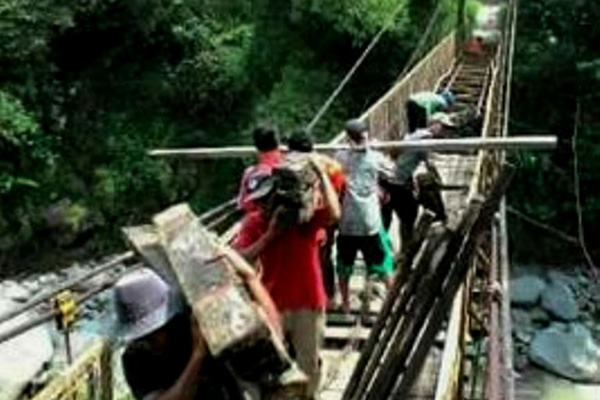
(87, 86)
(556, 89)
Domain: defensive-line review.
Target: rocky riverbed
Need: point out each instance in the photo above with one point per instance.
(556, 330)
(32, 359)
(555, 316)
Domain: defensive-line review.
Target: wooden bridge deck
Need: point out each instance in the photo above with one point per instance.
(343, 343)
(457, 172)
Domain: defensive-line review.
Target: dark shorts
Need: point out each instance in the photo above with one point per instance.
(416, 116)
(371, 248)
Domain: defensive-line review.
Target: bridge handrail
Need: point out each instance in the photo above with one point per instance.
(115, 262)
(90, 377)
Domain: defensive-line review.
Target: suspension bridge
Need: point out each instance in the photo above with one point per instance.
(427, 338)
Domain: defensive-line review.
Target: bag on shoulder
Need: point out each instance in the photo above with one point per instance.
(295, 189)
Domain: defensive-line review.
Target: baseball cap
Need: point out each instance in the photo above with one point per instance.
(355, 129)
(448, 96)
(442, 118)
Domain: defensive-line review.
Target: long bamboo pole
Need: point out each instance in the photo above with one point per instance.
(461, 144)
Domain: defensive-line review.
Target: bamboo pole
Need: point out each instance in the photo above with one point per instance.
(461, 144)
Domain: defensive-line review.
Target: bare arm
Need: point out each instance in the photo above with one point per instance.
(386, 167)
(252, 252)
(332, 203)
(187, 385)
(257, 289)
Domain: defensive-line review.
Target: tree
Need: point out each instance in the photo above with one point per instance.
(555, 70)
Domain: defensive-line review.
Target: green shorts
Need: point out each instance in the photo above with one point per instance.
(376, 251)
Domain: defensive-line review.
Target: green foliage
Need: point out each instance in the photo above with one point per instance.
(214, 77)
(26, 159)
(18, 129)
(94, 84)
(129, 182)
(24, 150)
(472, 8)
(555, 68)
(296, 98)
(359, 19)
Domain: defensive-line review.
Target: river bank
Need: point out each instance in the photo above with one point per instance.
(555, 314)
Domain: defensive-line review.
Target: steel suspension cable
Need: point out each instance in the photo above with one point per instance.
(580, 230)
(417, 52)
(325, 107)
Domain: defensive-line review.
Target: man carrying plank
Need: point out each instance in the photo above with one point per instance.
(166, 357)
(422, 105)
(300, 143)
(360, 224)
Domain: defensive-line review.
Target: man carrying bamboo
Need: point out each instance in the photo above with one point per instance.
(360, 224)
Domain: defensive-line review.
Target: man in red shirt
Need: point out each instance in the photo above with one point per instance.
(266, 142)
(291, 269)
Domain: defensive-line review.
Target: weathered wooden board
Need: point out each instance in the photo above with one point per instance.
(146, 242)
(234, 326)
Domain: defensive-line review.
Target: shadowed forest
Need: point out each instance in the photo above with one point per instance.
(88, 86)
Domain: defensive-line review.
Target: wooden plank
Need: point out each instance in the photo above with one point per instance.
(451, 358)
(394, 362)
(401, 365)
(233, 325)
(346, 333)
(337, 368)
(458, 275)
(389, 323)
(146, 242)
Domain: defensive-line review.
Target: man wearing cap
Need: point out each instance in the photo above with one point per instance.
(166, 357)
(422, 105)
(269, 156)
(360, 223)
(291, 269)
(408, 187)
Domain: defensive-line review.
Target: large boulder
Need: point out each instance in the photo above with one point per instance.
(558, 299)
(567, 350)
(22, 357)
(522, 324)
(526, 290)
